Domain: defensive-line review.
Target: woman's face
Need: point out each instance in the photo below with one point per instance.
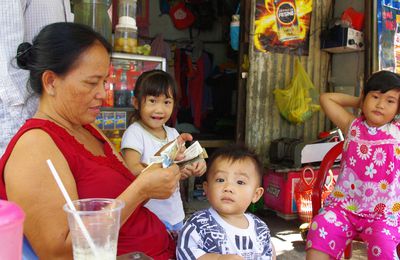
(79, 94)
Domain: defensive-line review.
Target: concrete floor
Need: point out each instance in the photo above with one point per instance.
(285, 234)
(287, 239)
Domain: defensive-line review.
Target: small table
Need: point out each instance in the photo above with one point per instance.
(215, 143)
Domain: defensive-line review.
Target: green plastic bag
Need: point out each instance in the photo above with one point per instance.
(296, 103)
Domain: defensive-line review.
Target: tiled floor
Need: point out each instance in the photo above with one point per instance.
(285, 234)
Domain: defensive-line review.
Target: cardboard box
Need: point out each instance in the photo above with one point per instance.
(120, 120)
(279, 190)
(108, 120)
(99, 121)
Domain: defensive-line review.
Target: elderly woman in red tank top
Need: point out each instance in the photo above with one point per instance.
(68, 65)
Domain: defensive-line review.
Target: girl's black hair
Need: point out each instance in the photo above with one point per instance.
(382, 81)
(154, 83)
(234, 153)
(57, 47)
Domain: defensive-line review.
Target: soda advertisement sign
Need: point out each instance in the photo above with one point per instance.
(282, 26)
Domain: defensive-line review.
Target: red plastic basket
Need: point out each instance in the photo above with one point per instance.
(303, 193)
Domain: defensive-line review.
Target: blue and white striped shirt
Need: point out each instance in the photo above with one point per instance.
(206, 232)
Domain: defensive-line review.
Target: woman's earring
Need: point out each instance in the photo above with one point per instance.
(50, 91)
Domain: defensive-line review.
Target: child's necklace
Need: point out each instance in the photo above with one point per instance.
(372, 130)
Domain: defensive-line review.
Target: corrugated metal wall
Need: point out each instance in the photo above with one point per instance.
(271, 70)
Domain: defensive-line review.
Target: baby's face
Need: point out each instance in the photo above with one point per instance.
(232, 186)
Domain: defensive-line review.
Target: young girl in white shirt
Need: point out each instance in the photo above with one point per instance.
(154, 101)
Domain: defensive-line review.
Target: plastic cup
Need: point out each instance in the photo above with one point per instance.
(101, 217)
(11, 230)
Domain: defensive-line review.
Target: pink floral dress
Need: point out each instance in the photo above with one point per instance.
(366, 199)
(369, 183)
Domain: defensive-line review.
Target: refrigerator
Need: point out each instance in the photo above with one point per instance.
(117, 110)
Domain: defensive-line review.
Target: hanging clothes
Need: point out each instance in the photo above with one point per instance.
(195, 83)
(160, 48)
(191, 72)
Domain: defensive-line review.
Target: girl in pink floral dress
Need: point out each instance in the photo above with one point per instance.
(366, 198)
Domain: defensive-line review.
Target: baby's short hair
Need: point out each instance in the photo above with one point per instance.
(234, 153)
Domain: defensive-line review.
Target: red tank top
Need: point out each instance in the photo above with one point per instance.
(102, 177)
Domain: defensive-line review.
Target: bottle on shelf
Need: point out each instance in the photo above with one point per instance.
(125, 39)
(121, 94)
(116, 139)
(132, 76)
(109, 88)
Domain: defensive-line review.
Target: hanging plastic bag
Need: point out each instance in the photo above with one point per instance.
(296, 103)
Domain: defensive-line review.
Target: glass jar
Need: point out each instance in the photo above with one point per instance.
(125, 39)
(127, 8)
(94, 13)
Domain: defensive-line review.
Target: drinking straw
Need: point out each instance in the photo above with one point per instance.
(72, 207)
(148, 166)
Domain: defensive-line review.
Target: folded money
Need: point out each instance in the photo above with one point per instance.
(192, 154)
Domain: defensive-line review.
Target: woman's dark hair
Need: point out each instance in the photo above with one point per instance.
(382, 81)
(154, 83)
(234, 153)
(56, 48)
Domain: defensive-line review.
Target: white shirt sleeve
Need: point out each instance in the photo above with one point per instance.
(12, 31)
(133, 138)
(20, 21)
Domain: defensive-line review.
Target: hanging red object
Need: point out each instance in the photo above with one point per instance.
(181, 16)
(356, 19)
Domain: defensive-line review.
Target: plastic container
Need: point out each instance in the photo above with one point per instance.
(101, 219)
(127, 8)
(280, 186)
(234, 31)
(94, 13)
(125, 38)
(11, 230)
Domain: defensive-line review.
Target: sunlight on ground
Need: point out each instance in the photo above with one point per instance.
(283, 241)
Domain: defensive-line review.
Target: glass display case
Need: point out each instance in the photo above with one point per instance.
(143, 62)
(120, 86)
